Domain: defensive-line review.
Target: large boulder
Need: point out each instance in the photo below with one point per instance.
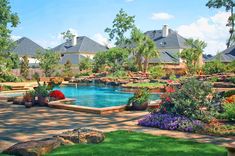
(43, 146)
(34, 148)
(83, 135)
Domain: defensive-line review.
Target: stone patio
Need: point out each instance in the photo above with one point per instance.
(18, 123)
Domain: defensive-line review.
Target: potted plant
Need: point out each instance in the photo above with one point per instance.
(28, 99)
(140, 100)
(42, 94)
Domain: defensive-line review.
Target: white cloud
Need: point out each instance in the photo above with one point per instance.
(161, 16)
(212, 30)
(15, 37)
(98, 37)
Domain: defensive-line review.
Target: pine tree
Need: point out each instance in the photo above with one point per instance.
(24, 67)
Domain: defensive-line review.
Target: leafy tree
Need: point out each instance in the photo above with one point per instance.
(85, 63)
(144, 48)
(48, 61)
(7, 20)
(68, 35)
(121, 24)
(68, 68)
(100, 61)
(24, 67)
(192, 54)
(229, 6)
(14, 61)
(116, 58)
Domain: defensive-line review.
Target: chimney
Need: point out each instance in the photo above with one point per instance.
(74, 40)
(165, 31)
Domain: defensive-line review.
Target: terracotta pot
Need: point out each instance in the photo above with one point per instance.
(28, 104)
(139, 107)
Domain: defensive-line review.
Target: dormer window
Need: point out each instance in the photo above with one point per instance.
(163, 44)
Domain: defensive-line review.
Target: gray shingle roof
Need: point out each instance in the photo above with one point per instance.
(25, 46)
(172, 41)
(84, 44)
(228, 55)
(166, 57)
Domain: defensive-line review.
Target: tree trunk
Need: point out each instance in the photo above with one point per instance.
(145, 65)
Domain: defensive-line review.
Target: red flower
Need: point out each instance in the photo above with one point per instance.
(58, 95)
(168, 99)
(170, 89)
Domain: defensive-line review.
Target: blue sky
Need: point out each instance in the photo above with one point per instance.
(43, 20)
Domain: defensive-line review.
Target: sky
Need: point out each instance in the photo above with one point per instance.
(44, 20)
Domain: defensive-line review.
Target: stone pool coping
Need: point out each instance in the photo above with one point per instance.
(101, 111)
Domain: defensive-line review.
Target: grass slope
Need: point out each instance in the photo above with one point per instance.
(123, 143)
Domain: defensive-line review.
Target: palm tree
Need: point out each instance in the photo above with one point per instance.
(143, 48)
(192, 54)
(149, 51)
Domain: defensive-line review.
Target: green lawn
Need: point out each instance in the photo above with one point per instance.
(123, 143)
(145, 84)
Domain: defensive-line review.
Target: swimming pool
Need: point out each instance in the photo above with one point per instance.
(99, 97)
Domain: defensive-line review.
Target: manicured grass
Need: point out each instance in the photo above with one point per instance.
(145, 84)
(124, 143)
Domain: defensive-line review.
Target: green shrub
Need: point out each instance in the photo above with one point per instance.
(214, 67)
(173, 77)
(214, 79)
(191, 98)
(83, 74)
(157, 72)
(232, 79)
(85, 64)
(229, 93)
(118, 74)
(231, 67)
(131, 66)
(229, 111)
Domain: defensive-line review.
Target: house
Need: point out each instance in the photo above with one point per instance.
(226, 56)
(169, 44)
(78, 48)
(26, 47)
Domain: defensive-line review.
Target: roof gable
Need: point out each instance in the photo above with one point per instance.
(25, 46)
(172, 41)
(228, 55)
(84, 44)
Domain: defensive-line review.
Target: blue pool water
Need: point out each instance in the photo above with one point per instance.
(99, 97)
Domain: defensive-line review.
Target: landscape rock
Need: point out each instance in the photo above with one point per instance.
(34, 148)
(83, 135)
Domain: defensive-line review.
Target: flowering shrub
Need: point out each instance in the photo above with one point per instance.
(171, 122)
(58, 95)
(191, 100)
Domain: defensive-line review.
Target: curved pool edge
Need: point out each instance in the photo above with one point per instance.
(101, 111)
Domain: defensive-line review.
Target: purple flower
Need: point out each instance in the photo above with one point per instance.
(171, 122)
